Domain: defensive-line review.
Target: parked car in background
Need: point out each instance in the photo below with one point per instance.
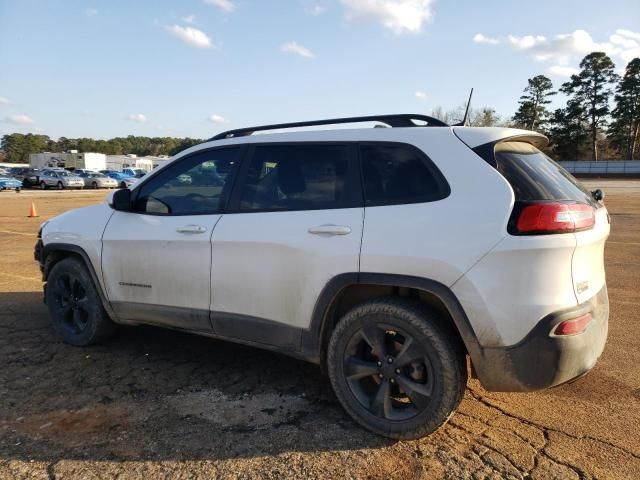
(10, 183)
(79, 171)
(30, 177)
(124, 181)
(98, 180)
(60, 179)
(109, 171)
(134, 172)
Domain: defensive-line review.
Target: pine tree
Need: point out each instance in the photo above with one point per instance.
(532, 112)
(568, 132)
(625, 128)
(590, 91)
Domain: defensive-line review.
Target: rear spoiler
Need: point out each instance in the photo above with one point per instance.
(483, 140)
(475, 137)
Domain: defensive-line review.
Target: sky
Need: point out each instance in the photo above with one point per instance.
(193, 68)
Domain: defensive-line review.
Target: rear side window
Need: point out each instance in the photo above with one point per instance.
(297, 177)
(534, 176)
(397, 174)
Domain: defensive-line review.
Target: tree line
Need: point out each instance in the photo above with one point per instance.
(17, 147)
(601, 119)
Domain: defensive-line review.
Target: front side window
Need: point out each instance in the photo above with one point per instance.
(192, 186)
(395, 174)
(296, 177)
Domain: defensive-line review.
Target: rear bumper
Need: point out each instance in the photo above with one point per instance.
(540, 361)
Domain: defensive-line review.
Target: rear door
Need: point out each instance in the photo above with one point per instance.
(294, 222)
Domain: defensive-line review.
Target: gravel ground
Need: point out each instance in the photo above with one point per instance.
(153, 403)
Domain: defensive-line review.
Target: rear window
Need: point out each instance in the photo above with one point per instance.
(534, 176)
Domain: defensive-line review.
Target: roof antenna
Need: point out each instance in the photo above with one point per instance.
(463, 123)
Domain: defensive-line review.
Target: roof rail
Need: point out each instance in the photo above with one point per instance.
(397, 120)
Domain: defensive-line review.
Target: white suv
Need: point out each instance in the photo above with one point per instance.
(386, 255)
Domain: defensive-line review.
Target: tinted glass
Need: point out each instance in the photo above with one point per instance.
(395, 174)
(534, 176)
(296, 177)
(192, 186)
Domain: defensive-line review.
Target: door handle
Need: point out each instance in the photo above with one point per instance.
(191, 229)
(330, 230)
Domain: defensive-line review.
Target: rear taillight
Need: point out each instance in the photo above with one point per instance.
(545, 218)
(573, 326)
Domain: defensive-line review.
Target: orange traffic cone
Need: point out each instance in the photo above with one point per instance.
(32, 211)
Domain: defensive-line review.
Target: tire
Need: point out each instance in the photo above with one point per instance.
(94, 185)
(123, 185)
(43, 186)
(75, 307)
(385, 348)
(60, 186)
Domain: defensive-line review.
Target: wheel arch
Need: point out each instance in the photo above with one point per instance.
(55, 252)
(344, 291)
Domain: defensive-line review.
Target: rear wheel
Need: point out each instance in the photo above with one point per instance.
(123, 185)
(76, 310)
(394, 370)
(43, 185)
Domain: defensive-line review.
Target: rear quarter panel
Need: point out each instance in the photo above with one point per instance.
(440, 240)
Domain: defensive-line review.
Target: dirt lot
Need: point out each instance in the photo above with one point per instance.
(153, 403)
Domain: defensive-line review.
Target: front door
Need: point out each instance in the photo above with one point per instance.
(156, 259)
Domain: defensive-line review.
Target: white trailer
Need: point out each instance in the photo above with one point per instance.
(71, 160)
(120, 162)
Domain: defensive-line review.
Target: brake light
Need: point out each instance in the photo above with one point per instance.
(543, 218)
(573, 326)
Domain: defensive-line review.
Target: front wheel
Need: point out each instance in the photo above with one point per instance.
(394, 369)
(60, 186)
(123, 185)
(94, 185)
(75, 307)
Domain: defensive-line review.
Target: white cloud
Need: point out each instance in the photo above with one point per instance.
(629, 34)
(314, 10)
(20, 119)
(294, 47)
(421, 95)
(561, 49)
(399, 16)
(562, 71)
(628, 43)
(191, 36)
(4, 101)
(219, 119)
(226, 6)
(137, 117)
(189, 19)
(91, 12)
(480, 38)
(565, 50)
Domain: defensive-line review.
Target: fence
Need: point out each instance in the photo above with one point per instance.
(605, 167)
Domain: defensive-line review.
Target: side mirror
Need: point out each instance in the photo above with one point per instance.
(598, 195)
(120, 200)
